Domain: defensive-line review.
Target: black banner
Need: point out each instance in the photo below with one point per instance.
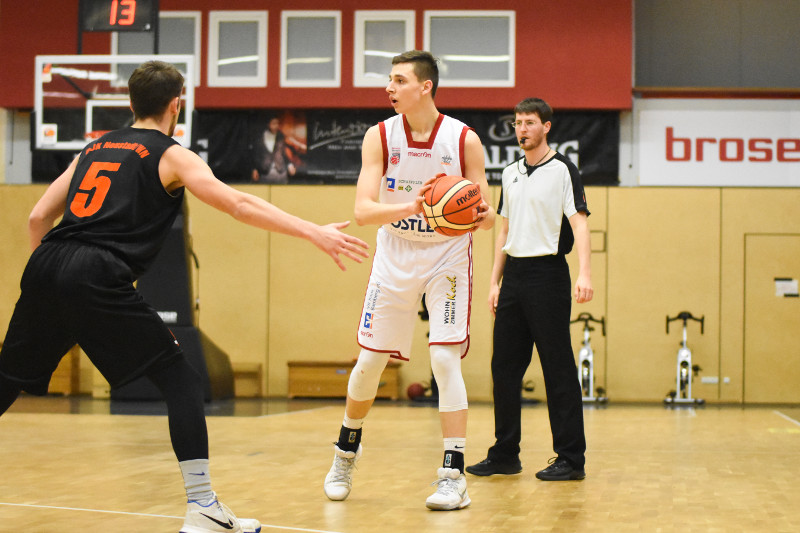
(324, 146)
(334, 142)
(589, 139)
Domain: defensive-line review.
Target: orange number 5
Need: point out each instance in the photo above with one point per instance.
(93, 190)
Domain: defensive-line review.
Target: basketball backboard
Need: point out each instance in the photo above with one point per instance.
(78, 98)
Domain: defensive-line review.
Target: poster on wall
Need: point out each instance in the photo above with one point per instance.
(324, 146)
(286, 146)
(718, 143)
(589, 139)
(334, 142)
(263, 146)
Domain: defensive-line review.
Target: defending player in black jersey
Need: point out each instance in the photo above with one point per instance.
(118, 200)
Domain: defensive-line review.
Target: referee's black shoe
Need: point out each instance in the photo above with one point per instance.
(560, 470)
(488, 467)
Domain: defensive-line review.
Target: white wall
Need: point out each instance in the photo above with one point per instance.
(15, 146)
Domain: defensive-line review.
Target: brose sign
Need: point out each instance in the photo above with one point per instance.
(733, 149)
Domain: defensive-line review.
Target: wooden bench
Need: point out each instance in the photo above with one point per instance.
(247, 379)
(328, 379)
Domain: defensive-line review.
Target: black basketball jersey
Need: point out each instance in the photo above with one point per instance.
(116, 199)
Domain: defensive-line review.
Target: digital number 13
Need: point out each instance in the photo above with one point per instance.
(126, 9)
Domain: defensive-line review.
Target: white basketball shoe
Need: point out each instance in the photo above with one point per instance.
(216, 518)
(340, 477)
(451, 491)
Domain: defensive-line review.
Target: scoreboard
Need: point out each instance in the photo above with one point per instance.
(118, 15)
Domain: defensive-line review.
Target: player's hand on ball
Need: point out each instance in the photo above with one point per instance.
(483, 212)
(421, 197)
(451, 204)
(425, 188)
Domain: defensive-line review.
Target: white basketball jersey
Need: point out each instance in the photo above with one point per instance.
(408, 164)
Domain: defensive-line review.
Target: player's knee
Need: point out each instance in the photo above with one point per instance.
(175, 373)
(366, 375)
(446, 366)
(445, 358)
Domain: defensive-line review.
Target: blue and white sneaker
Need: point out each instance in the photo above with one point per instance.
(216, 518)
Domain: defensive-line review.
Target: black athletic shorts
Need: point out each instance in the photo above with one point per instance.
(77, 293)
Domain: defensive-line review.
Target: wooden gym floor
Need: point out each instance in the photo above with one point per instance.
(70, 465)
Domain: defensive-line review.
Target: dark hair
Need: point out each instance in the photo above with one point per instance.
(536, 106)
(426, 66)
(152, 86)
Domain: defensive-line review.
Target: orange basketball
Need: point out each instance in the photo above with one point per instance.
(451, 205)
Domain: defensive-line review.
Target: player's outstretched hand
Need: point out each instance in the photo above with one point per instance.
(331, 240)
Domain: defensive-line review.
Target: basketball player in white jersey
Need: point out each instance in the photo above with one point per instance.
(400, 158)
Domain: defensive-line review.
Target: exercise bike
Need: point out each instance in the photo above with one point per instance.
(685, 370)
(586, 360)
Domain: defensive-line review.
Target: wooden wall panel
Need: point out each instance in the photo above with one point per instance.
(232, 281)
(745, 211)
(270, 298)
(663, 258)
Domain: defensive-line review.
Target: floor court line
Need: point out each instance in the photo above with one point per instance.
(787, 417)
(78, 509)
(85, 510)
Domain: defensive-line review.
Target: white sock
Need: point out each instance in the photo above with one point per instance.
(455, 444)
(197, 481)
(352, 423)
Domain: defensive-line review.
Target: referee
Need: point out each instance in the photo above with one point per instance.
(544, 213)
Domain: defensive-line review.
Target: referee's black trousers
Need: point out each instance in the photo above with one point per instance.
(534, 309)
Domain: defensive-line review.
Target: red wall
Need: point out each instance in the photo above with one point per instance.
(576, 54)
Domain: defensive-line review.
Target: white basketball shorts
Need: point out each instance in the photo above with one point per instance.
(404, 270)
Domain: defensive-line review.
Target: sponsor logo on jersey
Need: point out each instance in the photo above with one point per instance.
(395, 184)
(372, 297)
(169, 317)
(394, 159)
(450, 302)
(417, 225)
(452, 294)
(140, 150)
(425, 153)
(368, 320)
(446, 159)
